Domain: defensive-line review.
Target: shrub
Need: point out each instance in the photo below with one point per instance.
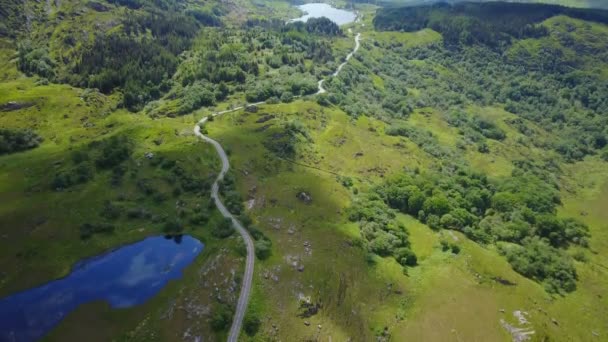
(173, 226)
(538, 260)
(263, 249)
(113, 152)
(87, 230)
(12, 141)
(221, 318)
(251, 324)
(223, 229)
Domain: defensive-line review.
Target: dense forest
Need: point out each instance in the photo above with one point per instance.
(494, 24)
(136, 53)
(141, 54)
(264, 59)
(554, 82)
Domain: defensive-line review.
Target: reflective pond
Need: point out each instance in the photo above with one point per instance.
(318, 10)
(124, 277)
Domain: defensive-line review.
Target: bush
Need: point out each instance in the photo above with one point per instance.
(12, 141)
(251, 324)
(221, 318)
(113, 152)
(110, 210)
(80, 174)
(381, 233)
(538, 260)
(87, 230)
(286, 97)
(449, 246)
(263, 249)
(173, 226)
(223, 229)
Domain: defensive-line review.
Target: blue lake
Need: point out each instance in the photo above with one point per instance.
(124, 277)
(318, 10)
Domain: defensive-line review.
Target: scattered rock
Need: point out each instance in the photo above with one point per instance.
(307, 323)
(504, 281)
(149, 155)
(521, 316)
(501, 310)
(300, 268)
(359, 154)
(263, 128)
(14, 105)
(304, 197)
(554, 321)
(265, 118)
(518, 334)
(251, 109)
(96, 6)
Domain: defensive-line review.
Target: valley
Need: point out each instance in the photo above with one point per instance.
(424, 179)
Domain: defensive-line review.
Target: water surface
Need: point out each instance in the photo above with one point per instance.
(318, 10)
(125, 277)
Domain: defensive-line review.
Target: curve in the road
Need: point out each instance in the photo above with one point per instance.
(241, 306)
(349, 56)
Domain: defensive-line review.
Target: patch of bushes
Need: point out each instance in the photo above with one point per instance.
(449, 246)
(536, 259)
(263, 248)
(223, 228)
(251, 324)
(421, 137)
(222, 318)
(16, 140)
(382, 234)
(518, 210)
(87, 230)
(173, 226)
(285, 144)
(112, 151)
(79, 174)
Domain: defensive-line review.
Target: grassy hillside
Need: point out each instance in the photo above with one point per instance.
(98, 178)
(450, 186)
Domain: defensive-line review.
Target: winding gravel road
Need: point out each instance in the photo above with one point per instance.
(349, 56)
(241, 307)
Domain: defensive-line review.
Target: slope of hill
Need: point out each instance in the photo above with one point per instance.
(450, 185)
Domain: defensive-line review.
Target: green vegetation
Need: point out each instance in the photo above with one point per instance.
(518, 210)
(382, 234)
(453, 173)
(12, 141)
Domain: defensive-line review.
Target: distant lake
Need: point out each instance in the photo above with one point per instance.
(124, 277)
(318, 10)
